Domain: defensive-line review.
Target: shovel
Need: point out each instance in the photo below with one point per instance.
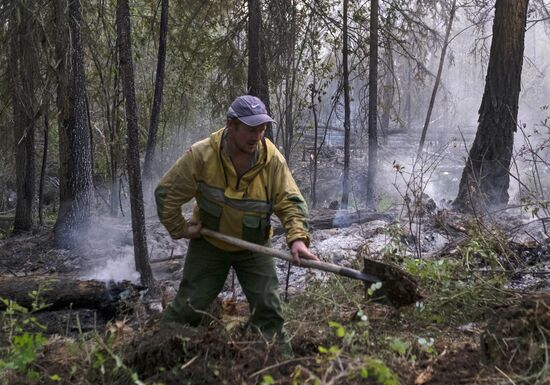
(398, 287)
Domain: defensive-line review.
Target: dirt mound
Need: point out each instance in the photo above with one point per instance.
(177, 354)
(517, 335)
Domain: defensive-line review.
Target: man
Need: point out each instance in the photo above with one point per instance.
(238, 180)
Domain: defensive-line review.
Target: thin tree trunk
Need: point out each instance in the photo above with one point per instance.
(25, 67)
(258, 82)
(124, 44)
(315, 139)
(44, 165)
(438, 77)
(373, 96)
(347, 108)
(408, 97)
(115, 147)
(485, 179)
(387, 96)
(157, 99)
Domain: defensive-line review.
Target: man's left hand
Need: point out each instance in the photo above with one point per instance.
(299, 250)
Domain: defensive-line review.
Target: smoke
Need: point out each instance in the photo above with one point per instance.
(119, 268)
(109, 251)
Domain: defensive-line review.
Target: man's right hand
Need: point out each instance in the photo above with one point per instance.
(193, 230)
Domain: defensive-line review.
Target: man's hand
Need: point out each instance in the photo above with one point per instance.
(193, 230)
(299, 249)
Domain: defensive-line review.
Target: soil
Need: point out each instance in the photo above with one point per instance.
(510, 341)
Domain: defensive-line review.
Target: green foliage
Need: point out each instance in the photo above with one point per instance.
(455, 294)
(486, 246)
(395, 248)
(399, 346)
(24, 343)
(23, 351)
(330, 361)
(427, 346)
(267, 380)
(377, 369)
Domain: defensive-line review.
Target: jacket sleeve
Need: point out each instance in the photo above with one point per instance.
(289, 204)
(176, 187)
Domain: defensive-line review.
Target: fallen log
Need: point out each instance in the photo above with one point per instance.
(328, 219)
(67, 293)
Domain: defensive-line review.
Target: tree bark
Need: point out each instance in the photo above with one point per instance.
(315, 133)
(76, 186)
(124, 44)
(373, 107)
(24, 74)
(157, 98)
(66, 293)
(258, 82)
(44, 165)
(347, 108)
(485, 178)
(388, 92)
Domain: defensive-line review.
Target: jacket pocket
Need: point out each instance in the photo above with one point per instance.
(210, 213)
(256, 229)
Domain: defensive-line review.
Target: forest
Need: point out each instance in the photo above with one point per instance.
(418, 133)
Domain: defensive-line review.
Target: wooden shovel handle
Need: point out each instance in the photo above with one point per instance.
(318, 265)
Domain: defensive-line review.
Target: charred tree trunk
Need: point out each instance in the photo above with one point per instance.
(24, 74)
(258, 82)
(485, 179)
(157, 98)
(347, 108)
(373, 100)
(124, 44)
(67, 293)
(76, 186)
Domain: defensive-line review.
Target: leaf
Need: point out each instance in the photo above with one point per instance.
(399, 346)
(267, 380)
(340, 330)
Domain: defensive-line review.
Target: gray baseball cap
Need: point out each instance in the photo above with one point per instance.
(250, 110)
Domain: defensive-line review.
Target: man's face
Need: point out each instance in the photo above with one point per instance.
(246, 138)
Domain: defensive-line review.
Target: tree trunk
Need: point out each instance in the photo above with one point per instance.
(347, 112)
(76, 186)
(124, 44)
(485, 179)
(438, 77)
(115, 148)
(44, 165)
(258, 82)
(373, 96)
(315, 138)
(24, 68)
(389, 90)
(157, 98)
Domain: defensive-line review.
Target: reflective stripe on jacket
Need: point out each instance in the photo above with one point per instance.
(240, 208)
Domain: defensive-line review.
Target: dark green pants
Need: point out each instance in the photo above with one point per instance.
(204, 273)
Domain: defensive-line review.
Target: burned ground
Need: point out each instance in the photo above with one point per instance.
(478, 323)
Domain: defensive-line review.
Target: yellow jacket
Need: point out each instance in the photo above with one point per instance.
(240, 208)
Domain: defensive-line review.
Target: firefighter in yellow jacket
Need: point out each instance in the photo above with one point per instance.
(238, 179)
